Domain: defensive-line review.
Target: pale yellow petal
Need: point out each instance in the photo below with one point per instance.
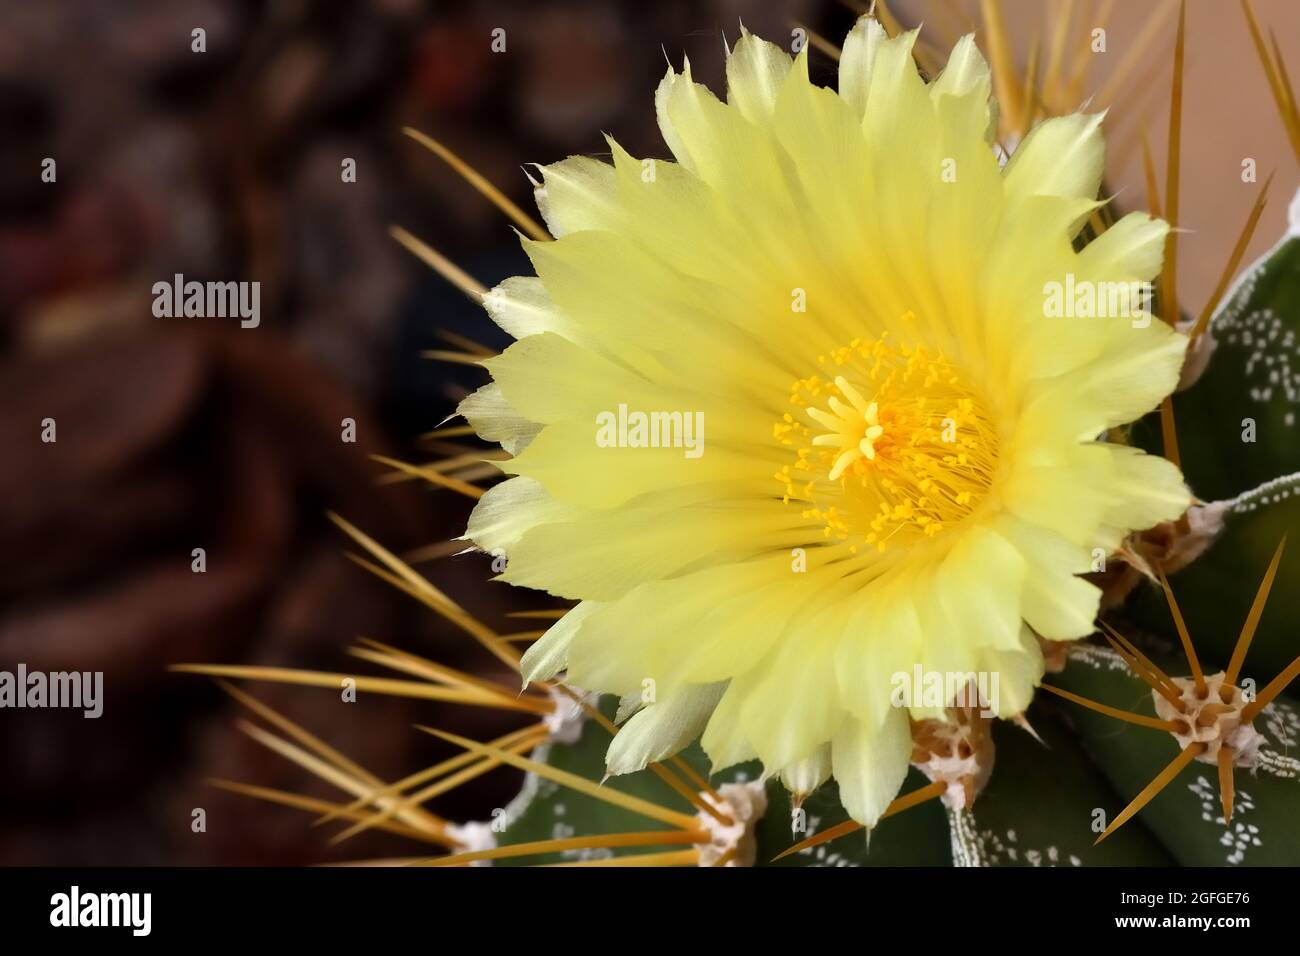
(1056, 602)
(857, 58)
(522, 306)
(1019, 672)
(808, 773)
(487, 410)
(1062, 156)
(756, 71)
(579, 193)
(663, 728)
(549, 654)
(870, 764)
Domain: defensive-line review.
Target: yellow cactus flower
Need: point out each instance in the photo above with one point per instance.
(843, 436)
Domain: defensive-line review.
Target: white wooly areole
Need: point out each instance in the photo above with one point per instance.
(566, 720)
(1212, 717)
(473, 837)
(732, 844)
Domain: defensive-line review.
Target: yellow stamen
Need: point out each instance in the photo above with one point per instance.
(892, 443)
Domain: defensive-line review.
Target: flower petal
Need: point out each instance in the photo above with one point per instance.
(1062, 156)
(549, 654)
(663, 728)
(756, 71)
(492, 418)
(871, 763)
(579, 193)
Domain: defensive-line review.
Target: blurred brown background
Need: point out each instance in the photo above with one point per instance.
(183, 433)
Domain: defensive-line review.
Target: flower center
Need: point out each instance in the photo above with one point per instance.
(891, 444)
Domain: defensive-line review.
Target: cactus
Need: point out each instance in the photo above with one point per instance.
(1163, 739)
